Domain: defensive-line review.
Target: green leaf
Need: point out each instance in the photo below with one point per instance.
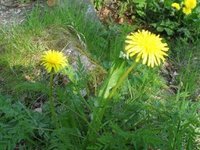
(114, 75)
(169, 31)
(159, 29)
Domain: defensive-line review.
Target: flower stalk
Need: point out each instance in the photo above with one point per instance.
(54, 62)
(99, 112)
(121, 80)
(52, 107)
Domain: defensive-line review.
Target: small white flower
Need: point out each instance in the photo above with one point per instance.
(123, 55)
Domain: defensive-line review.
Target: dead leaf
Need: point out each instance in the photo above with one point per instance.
(51, 2)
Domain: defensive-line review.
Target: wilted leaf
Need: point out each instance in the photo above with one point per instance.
(51, 2)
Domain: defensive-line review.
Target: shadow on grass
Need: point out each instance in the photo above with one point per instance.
(16, 82)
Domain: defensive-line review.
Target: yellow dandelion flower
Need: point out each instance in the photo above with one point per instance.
(176, 6)
(190, 4)
(54, 61)
(187, 11)
(146, 46)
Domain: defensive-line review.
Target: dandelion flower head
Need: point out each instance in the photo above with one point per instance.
(187, 11)
(176, 6)
(54, 61)
(147, 47)
(190, 4)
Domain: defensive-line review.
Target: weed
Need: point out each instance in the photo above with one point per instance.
(142, 114)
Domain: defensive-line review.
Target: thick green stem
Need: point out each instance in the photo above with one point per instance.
(121, 80)
(99, 111)
(52, 107)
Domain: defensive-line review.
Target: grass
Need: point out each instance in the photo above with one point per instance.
(187, 61)
(143, 114)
